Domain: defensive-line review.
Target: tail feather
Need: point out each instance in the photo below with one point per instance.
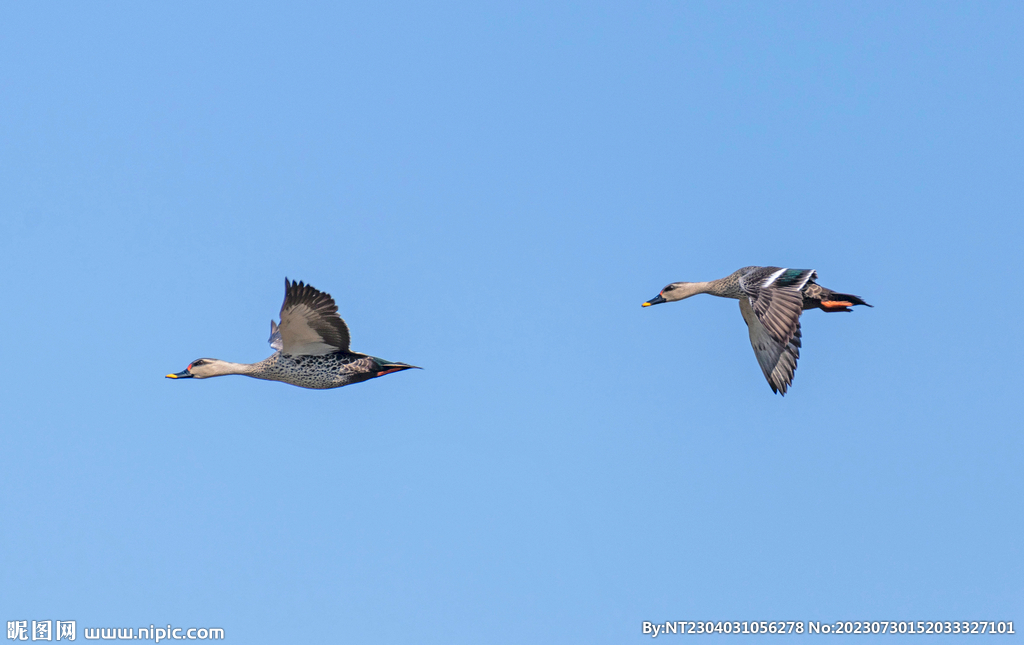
(835, 302)
(850, 298)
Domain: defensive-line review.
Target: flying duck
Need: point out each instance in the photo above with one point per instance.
(312, 348)
(771, 301)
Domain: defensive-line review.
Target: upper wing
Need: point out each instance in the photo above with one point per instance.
(776, 299)
(310, 323)
(777, 360)
(772, 312)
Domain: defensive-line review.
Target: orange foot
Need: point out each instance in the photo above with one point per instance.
(832, 306)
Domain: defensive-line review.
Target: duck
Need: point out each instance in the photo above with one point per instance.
(312, 344)
(771, 301)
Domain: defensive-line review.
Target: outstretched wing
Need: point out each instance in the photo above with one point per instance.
(776, 298)
(777, 361)
(772, 312)
(310, 324)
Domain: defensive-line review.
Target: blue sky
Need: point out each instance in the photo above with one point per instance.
(490, 191)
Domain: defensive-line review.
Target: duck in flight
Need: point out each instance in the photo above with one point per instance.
(771, 301)
(312, 348)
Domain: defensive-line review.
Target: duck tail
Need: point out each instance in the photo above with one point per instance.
(833, 302)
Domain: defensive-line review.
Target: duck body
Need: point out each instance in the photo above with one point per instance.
(312, 343)
(771, 301)
(316, 372)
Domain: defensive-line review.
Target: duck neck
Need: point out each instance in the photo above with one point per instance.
(268, 369)
(727, 287)
(224, 368)
(688, 289)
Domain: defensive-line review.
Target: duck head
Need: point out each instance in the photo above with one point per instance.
(205, 368)
(676, 291)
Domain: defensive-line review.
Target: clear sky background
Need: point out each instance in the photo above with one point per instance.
(490, 190)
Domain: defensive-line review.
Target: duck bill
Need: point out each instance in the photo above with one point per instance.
(656, 300)
(182, 374)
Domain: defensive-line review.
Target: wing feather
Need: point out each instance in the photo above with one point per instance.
(772, 311)
(310, 324)
(776, 298)
(275, 337)
(777, 361)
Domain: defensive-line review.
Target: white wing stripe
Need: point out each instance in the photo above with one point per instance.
(772, 278)
(807, 277)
